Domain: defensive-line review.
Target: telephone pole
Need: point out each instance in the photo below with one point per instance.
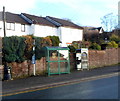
(4, 20)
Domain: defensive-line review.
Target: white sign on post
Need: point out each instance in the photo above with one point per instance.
(33, 59)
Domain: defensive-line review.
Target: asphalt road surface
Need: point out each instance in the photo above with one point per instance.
(102, 88)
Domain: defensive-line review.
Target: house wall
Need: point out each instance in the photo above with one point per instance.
(68, 35)
(32, 29)
(17, 30)
(59, 33)
(43, 31)
(1, 29)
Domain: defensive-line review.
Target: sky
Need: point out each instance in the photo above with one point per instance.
(81, 12)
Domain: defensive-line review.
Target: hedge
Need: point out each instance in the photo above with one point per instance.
(19, 49)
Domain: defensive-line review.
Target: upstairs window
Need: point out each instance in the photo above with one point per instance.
(8, 26)
(0, 26)
(23, 27)
(11, 26)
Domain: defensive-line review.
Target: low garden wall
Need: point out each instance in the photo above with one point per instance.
(26, 68)
(104, 57)
(96, 59)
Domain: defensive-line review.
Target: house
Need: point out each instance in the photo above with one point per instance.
(93, 30)
(15, 25)
(40, 26)
(26, 24)
(97, 29)
(67, 31)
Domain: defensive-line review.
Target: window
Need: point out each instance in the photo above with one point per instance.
(23, 28)
(8, 26)
(11, 26)
(0, 26)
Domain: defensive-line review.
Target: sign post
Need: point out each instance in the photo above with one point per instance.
(33, 59)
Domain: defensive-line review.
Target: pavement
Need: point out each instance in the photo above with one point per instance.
(24, 84)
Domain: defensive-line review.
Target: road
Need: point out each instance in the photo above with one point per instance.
(99, 88)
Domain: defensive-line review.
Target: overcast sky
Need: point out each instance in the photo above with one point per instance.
(82, 12)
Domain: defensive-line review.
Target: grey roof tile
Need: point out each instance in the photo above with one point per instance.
(38, 20)
(65, 22)
(13, 18)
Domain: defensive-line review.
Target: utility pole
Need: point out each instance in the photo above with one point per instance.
(7, 75)
(4, 20)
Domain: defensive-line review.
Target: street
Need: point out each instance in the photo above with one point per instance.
(100, 88)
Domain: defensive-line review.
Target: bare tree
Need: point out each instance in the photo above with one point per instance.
(109, 21)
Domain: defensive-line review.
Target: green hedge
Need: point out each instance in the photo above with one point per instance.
(13, 49)
(95, 46)
(19, 49)
(55, 40)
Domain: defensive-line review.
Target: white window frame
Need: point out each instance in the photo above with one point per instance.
(8, 26)
(23, 27)
(13, 26)
(0, 26)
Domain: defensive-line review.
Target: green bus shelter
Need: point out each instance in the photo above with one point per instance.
(57, 60)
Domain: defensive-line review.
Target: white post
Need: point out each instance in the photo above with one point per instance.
(34, 67)
(33, 59)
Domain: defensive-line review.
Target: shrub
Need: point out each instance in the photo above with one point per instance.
(18, 49)
(115, 38)
(95, 46)
(38, 45)
(72, 48)
(46, 41)
(55, 40)
(29, 46)
(13, 49)
(112, 44)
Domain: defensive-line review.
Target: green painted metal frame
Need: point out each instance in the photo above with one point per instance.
(47, 51)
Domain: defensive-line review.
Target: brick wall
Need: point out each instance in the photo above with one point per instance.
(96, 59)
(0, 51)
(73, 61)
(104, 57)
(26, 68)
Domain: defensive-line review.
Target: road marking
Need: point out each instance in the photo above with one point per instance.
(59, 84)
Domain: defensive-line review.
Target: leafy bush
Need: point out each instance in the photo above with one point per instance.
(112, 44)
(55, 40)
(119, 44)
(38, 45)
(18, 49)
(46, 41)
(29, 46)
(13, 49)
(72, 48)
(115, 38)
(95, 46)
